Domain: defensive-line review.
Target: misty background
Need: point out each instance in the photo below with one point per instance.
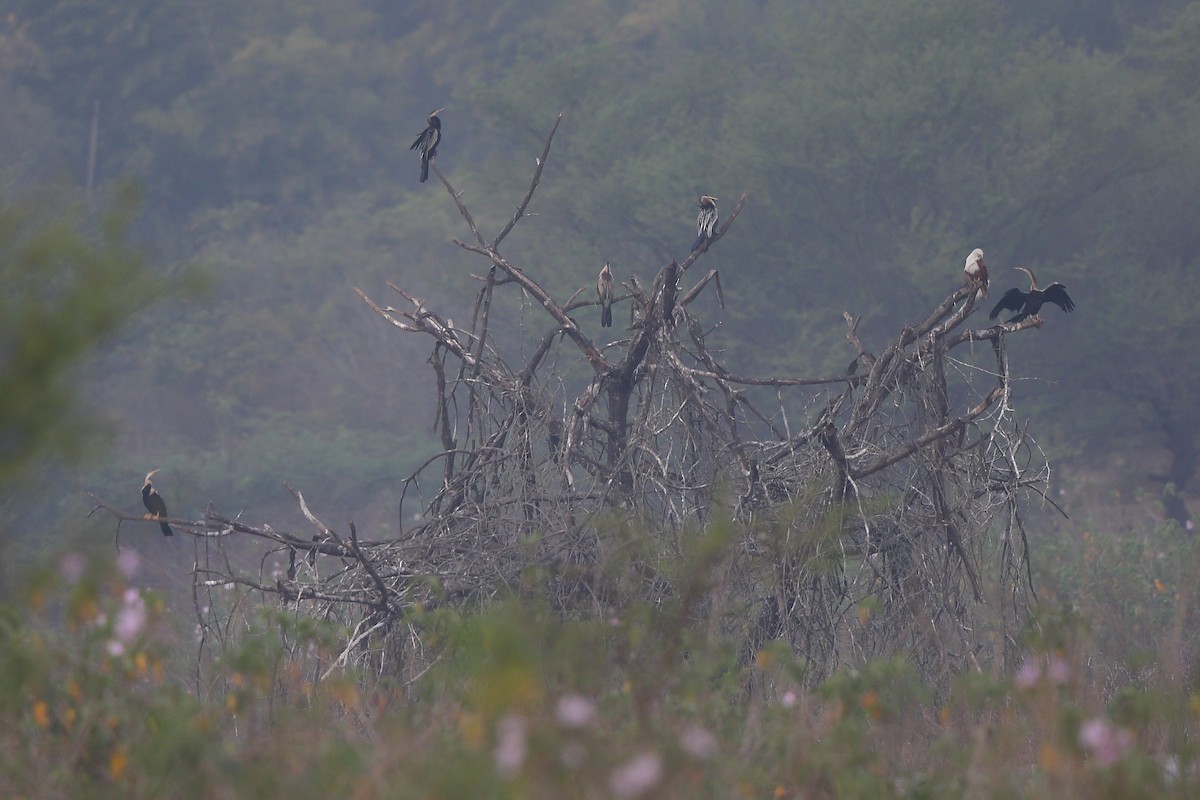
(880, 141)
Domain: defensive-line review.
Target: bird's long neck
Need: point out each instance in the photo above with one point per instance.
(1033, 285)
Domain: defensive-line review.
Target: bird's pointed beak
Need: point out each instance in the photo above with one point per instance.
(440, 110)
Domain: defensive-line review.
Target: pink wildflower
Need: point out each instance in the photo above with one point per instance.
(1104, 741)
(1029, 673)
(511, 745)
(698, 743)
(128, 562)
(575, 711)
(131, 617)
(71, 566)
(1058, 670)
(636, 777)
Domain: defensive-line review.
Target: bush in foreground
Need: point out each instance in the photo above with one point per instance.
(523, 703)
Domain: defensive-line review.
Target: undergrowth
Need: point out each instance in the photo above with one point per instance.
(97, 699)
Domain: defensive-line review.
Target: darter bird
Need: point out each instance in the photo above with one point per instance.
(155, 504)
(1027, 304)
(706, 220)
(427, 142)
(604, 288)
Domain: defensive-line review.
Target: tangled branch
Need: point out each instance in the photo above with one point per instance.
(876, 509)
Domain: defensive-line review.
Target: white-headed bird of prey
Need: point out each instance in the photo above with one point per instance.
(155, 504)
(706, 220)
(1027, 304)
(427, 142)
(605, 288)
(975, 271)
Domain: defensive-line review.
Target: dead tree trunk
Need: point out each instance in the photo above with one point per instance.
(875, 509)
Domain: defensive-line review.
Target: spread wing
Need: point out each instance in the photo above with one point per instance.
(1013, 299)
(1057, 293)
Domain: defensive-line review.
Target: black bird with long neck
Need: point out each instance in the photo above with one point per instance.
(605, 288)
(1027, 304)
(155, 504)
(427, 142)
(706, 220)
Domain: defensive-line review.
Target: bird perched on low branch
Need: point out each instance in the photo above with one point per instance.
(706, 220)
(604, 288)
(975, 271)
(427, 142)
(1027, 304)
(155, 504)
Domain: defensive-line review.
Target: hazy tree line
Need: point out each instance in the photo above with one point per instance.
(879, 141)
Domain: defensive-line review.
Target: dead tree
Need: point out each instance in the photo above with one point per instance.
(877, 510)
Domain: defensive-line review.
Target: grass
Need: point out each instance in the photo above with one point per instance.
(99, 697)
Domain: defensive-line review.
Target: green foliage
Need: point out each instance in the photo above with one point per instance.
(518, 702)
(879, 142)
(69, 282)
(1140, 585)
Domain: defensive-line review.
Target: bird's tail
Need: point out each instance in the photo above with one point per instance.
(606, 317)
(424, 169)
(166, 529)
(699, 241)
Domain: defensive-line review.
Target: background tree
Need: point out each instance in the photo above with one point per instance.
(70, 279)
(270, 142)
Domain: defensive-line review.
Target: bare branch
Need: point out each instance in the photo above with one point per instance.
(533, 184)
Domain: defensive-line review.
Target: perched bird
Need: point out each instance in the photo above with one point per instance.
(706, 220)
(975, 271)
(604, 288)
(154, 503)
(427, 142)
(1027, 304)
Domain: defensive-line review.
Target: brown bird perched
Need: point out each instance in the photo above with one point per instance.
(706, 220)
(155, 504)
(1027, 304)
(427, 142)
(975, 271)
(604, 288)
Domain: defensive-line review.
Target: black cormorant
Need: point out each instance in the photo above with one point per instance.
(154, 503)
(427, 142)
(1027, 304)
